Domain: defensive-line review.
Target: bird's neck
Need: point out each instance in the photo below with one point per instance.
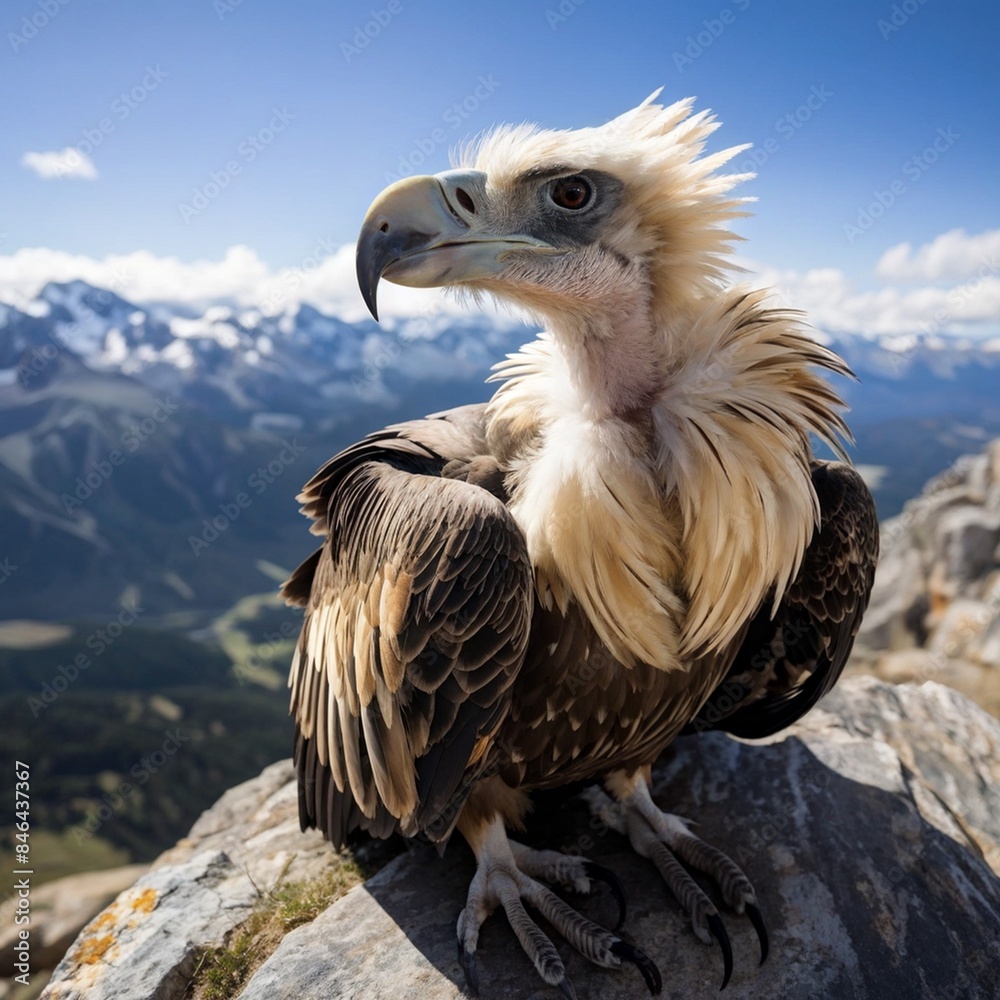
(614, 355)
(572, 424)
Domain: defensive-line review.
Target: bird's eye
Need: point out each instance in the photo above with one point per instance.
(572, 192)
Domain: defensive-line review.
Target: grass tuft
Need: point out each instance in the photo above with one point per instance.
(222, 972)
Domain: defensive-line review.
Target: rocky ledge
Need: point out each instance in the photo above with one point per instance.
(935, 607)
(871, 831)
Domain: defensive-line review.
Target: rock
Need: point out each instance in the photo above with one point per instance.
(959, 629)
(871, 831)
(968, 538)
(59, 910)
(256, 824)
(938, 581)
(895, 616)
(145, 944)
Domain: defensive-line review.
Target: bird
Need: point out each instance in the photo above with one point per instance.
(632, 540)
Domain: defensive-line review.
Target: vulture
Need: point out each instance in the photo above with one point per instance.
(631, 540)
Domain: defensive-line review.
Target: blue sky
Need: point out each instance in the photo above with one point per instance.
(317, 104)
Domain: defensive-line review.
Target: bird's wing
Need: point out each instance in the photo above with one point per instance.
(418, 609)
(788, 661)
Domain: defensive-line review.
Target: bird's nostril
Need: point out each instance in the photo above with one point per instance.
(384, 228)
(465, 201)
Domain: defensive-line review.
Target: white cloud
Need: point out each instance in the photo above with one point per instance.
(831, 303)
(954, 255)
(67, 162)
(326, 279)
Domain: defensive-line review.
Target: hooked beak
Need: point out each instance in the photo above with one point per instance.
(428, 231)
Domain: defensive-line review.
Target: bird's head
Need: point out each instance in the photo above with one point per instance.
(564, 223)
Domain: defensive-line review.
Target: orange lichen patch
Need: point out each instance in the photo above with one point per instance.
(107, 918)
(145, 901)
(93, 948)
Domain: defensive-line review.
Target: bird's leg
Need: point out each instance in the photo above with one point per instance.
(666, 840)
(504, 877)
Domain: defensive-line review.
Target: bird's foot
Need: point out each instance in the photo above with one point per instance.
(666, 840)
(505, 876)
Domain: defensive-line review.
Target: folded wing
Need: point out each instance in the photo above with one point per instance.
(418, 609)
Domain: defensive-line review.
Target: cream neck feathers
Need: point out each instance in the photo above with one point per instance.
(661, 474)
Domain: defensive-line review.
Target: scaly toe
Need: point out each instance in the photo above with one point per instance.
(502, 880)
(666, 839)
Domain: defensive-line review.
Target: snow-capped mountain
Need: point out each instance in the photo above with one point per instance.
(302, 357)
(239, 362)
(129, 432)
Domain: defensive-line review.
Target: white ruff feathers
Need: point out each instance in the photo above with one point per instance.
(670, 524)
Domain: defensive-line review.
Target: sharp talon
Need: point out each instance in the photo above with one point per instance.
(468, 962)
(760, 927)
(566, 988)
(629, 953)
(718, 929)
(610, 879)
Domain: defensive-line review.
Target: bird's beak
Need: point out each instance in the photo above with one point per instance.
(429, 231)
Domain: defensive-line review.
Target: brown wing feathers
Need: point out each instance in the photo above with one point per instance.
(813, 630)
(416, 623)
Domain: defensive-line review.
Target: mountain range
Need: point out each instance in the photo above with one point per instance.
(151, 453)
(149, 460)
